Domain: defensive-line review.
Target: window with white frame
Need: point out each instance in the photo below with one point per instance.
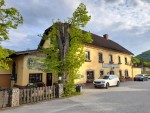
(100, 57)
(87, 55)
(110, 58)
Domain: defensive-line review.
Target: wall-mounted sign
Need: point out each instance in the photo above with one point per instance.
(110, 65)
(34, 62)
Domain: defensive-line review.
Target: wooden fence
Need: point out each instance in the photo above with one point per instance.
(5, 98)
(33, 95)
(15, 97)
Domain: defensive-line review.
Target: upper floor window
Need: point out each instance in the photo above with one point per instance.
(126, 61)
(87, 55)
(111, 59)
(100, 57)
(119, 60)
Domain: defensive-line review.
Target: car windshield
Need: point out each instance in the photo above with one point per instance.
(139, 75)
(106, 77)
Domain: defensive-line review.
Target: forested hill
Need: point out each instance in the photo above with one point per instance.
(145, 56)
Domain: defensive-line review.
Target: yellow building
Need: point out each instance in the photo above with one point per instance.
(103, 56)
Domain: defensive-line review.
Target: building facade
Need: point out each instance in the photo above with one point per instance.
(103, 56)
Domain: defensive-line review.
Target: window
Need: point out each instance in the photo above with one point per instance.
(100, 57)
(119, 60)
(90, 76)
(101, 72)
(112, 72)
(34, 78)
(126, 61)
(87, 55)
(120, 73)
(126, 74)
(111, 59)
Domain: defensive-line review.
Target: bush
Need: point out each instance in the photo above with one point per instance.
(69, 89)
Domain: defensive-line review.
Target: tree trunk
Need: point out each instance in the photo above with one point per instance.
(63, 45)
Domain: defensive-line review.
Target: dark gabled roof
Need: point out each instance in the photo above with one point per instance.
(24, 52)
(98, 41)
(42, 40)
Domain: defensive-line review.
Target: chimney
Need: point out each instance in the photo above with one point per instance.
(106, 36)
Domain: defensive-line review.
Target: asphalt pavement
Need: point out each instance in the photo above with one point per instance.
(130, 97)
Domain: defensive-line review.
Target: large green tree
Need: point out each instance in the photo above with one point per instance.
(65, 54)
(10, 18)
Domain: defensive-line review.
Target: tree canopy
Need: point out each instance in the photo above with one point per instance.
(66, 52)
(10, 18)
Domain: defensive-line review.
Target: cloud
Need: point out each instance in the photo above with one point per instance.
(126, 21)
(36, 13)
(21, 40)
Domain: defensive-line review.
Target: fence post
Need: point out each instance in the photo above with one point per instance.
(15, 97)
(60, 90)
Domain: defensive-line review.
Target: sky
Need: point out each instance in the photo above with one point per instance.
(127, 22)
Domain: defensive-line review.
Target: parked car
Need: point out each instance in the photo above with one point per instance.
(140, 77)
(106, 81)
(148, 75)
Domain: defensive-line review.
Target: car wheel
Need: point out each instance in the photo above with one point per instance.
(118, 83)
(134, 79)
(107, 85)
(95, 86)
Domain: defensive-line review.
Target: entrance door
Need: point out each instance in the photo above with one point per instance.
(90, 76)
(49, 79)
(112, 72)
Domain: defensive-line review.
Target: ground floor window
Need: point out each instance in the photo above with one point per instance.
(126, 74)
(36, 77)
